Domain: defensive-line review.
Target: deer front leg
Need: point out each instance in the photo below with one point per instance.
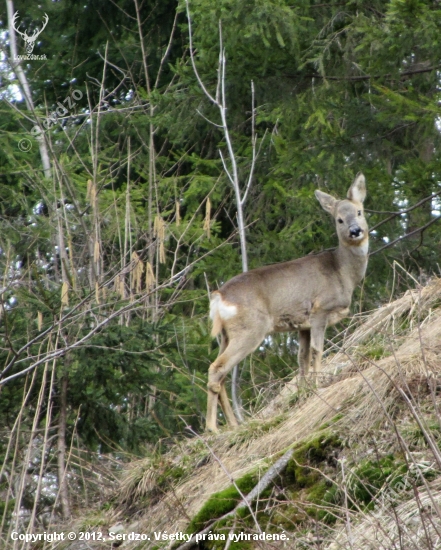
(304, 356)
(226, 407)
(217, 374)
(217, 392)
(318, 327)
(214, 388)
(210, 421)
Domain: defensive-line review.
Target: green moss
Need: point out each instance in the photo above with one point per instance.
(305, 482)
(371, 476)
(323, 494)
(311, 453)
(317, 492)
(221, 503)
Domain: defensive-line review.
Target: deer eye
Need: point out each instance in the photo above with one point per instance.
(359, 213)
(340, 220)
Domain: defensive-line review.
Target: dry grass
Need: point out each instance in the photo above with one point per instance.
(408, 525)
(363, 393)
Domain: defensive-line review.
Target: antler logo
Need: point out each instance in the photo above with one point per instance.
(30, 40)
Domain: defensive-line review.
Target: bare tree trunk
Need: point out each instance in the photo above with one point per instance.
(219, 100)
(18, 70)
(152, 183)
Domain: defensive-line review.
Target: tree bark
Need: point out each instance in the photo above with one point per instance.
(24, 84)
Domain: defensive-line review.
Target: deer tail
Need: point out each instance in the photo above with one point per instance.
(220, 311)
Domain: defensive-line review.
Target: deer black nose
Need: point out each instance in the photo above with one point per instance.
(355, 231)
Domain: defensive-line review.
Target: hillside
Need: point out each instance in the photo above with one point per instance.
(354, 463)
(150, 152)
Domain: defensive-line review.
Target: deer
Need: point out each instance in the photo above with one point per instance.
(306, 294)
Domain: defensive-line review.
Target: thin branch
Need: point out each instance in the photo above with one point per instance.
(405, 211)
(245, 501)
(208, 120)
(226, 168)
(407, 235)
(253, 144)
(367, 76)
(190, 35)
(167, 51)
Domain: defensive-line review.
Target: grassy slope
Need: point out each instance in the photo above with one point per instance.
(365, 463)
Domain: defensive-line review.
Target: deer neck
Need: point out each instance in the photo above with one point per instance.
(352, 260)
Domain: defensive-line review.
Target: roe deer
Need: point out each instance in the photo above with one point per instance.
(307, 294)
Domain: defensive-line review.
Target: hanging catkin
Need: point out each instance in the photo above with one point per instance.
(149, 276)
(207, 221)
(178, 213)
(138, 270)
(159, 231)
(119, 286)
(89, 189)
(122, 287)
(96, 252)
(64, 294)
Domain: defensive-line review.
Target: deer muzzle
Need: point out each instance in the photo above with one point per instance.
(355, 232)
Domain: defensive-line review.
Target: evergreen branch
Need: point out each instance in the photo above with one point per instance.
(368, 76)
(136, 304)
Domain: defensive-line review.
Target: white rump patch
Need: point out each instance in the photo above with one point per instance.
(218, 305)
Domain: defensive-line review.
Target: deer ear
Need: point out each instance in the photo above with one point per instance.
(357, 191)
(327, 201)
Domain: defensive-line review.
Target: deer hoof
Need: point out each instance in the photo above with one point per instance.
(212, 429)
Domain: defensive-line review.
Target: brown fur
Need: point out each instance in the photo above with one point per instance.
(217, 325)
(307, 294)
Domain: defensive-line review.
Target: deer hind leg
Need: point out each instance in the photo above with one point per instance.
(238, 347)
(304, 357)
(223, 396)
(226, 407)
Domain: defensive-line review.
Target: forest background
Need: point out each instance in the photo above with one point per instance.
(119, 212)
